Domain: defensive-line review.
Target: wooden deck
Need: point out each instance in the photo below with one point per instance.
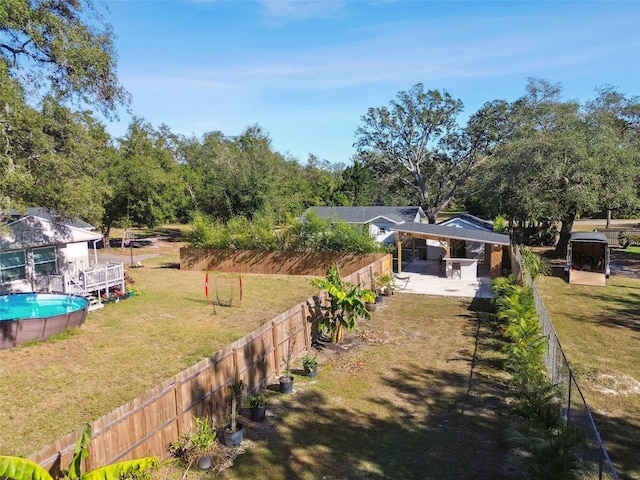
(94, 281)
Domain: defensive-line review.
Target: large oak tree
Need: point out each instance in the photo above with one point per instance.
(417, 142)
(60, 48)
(55, 54)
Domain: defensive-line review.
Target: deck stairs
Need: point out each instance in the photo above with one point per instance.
(94, 303)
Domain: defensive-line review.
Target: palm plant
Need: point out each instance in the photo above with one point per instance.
(538, 404)
(534, 264)
(518, 304)
(553, 453)
(503, 286)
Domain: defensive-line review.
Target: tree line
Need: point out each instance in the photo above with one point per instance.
(534, 161)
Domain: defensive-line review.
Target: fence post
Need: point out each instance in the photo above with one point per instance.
(276, 346)
(569, 396)
(179, 406)
(305, 328)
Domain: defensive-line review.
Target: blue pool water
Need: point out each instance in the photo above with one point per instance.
(38, 305)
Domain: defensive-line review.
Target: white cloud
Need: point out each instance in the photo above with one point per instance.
(295, 10)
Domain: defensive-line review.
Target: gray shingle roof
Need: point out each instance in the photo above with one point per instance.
(366, 215)
(453, 232)
(467, 217)
(49, 215)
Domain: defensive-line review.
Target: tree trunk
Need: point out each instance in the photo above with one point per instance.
(432, 215)
(565, 233)
(608, 218)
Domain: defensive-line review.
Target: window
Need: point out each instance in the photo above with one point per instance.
(12, 266)
(44, 261)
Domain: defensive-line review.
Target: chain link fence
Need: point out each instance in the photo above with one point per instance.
(596, 461)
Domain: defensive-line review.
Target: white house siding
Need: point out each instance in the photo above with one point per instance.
(74, 258)
(29, 233)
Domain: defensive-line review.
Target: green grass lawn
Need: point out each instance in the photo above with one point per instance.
(418, 394)
(599, 328)
(52, 388)
(633, 250)
(415, 393)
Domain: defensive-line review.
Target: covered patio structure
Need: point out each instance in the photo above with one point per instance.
(444, 259)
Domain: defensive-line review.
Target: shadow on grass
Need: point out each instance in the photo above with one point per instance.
(444, 436)
(421, 422)
(171, 265)
(623, 307)
(622, 441)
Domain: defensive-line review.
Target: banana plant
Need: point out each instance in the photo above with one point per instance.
(347, 302)
(18, 468)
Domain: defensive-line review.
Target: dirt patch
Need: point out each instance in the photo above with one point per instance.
(616, 384)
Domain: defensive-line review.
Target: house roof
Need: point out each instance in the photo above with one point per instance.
(439, 231)
(48, 215)
(49, 233)
(367, 215)
(469, 219)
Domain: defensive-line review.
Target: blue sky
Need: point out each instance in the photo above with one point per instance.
(307, 71)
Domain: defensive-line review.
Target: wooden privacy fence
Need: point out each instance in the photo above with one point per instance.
(613, 234)
(147, 425)
(273, 262)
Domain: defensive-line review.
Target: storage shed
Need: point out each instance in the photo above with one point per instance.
(587, 259)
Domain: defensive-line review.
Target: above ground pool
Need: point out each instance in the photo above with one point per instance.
(37, 316)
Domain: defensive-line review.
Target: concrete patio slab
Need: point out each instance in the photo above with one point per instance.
(425, 278)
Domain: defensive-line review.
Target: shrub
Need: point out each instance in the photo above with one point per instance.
(312, 234)
(191, 446)
(500, 224)
(626, 239)
(533, 263)
(255, 401)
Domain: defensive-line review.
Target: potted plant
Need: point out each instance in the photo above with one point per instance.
(233, 432)
(286, 379)
(310, 365)
(384, 283)
(196, 447)
(286, 382)
(257, 407)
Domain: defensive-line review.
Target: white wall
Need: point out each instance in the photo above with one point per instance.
(74, 258)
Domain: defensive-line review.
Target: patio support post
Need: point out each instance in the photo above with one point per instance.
(398, 236)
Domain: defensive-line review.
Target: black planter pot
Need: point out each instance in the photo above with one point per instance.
(258, 413)
(286, 384)
(311, 372)
(233, 439)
